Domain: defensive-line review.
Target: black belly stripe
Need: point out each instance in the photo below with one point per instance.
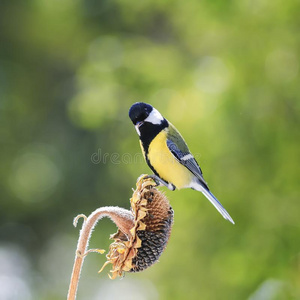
(148, 132)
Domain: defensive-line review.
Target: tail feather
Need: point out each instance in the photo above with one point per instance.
(214, 201)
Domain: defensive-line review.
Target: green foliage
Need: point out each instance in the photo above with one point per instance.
(226, 73)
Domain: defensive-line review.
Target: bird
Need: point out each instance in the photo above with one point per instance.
(168, 155)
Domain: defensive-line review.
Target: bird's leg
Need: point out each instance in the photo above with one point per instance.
(160, 181)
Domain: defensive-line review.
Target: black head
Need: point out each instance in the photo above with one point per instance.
(139, 111)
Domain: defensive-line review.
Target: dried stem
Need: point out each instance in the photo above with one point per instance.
(123, 218)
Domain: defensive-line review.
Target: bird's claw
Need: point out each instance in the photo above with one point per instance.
(154, 178)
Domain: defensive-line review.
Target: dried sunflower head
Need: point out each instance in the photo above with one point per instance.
(141, 247)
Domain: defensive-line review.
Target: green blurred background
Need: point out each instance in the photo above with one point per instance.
(226, 73)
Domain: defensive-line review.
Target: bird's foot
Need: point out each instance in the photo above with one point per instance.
(158, 181)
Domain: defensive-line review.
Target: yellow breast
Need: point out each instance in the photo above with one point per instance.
(166, 165)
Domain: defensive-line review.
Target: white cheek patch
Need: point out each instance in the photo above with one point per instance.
(137, 130)
(155, 117)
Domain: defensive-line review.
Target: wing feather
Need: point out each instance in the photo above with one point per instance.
(187, 160)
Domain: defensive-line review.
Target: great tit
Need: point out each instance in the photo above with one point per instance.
(167, 154)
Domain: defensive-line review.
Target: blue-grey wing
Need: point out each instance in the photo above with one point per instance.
(188, 160)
